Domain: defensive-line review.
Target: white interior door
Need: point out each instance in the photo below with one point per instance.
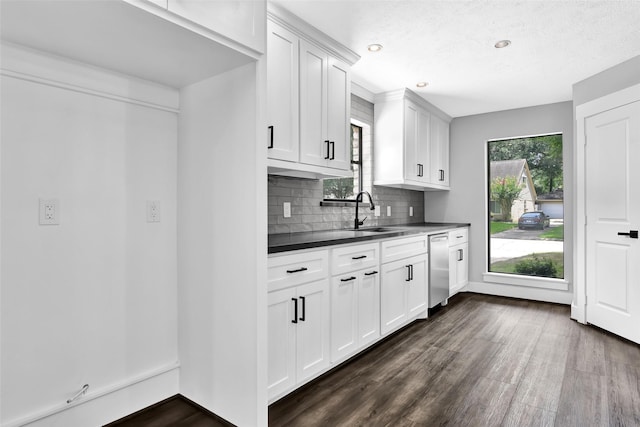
(613, 207)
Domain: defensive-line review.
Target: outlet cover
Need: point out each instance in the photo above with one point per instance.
(287, 209)
(49, 212)
(388, 210)
(410, 210)
(376, 212)
(153, 211)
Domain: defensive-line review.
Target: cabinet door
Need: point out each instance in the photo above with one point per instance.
(458, 267)
(281, 341)
(344, 315)
(393, 283)
(240, 20)
(282, 93)
(411, 166)
(314, 143)
(417, 287)
(368, 307)
(312, 337)
(439, 151)
(338, 113)
(423, 146)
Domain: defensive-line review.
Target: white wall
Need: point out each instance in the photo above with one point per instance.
(222, 247)
(93, 299)
(611, 80)
(466, 201)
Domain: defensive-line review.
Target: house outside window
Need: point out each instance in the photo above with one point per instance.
(345, 189)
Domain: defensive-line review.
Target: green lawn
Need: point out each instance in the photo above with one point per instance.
(497, 226)
(508, 266)
(555, 233)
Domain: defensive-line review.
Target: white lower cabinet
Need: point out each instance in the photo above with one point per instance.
(403, 293)
(298, 319)
(458, 260)
(298, 337)
(355, 312)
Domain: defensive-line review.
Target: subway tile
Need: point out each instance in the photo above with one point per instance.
(297, 228)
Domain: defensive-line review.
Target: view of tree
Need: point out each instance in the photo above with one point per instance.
(543, 155)
(505, 191)
(338, 188)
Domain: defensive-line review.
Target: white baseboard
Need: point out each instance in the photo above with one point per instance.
(108, 404)
(536, 294)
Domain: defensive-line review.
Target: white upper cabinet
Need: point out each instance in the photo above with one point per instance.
(240, 20)
(411, 142)
(308, 98)
(282, 93)
(325, 101)
(439, 152)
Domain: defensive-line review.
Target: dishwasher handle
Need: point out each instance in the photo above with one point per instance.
(441, 238)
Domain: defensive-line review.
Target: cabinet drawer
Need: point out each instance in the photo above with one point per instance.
(401, 248)
(459, 235)
(293, 269)
(354, 257)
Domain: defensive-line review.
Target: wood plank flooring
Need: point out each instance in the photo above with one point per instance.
(480, 361)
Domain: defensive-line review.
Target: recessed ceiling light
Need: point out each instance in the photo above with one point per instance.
(422, 84)
(374, 47)
(502, 43)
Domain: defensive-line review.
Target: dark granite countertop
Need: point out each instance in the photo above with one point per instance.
(293, 241)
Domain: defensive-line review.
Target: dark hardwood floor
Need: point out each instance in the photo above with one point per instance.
(480, 361)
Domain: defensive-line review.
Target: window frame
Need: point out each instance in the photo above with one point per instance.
(359, 162)
(515, 278)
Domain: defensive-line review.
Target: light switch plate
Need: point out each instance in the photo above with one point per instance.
(286, 207)
(388, 210)
(49, 212)
(410, 210)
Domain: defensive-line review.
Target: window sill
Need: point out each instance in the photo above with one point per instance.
(342, 203)
(528, 281)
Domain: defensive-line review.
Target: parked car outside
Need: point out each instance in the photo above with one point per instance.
(535, 219)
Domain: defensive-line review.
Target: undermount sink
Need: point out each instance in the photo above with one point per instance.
(379, 229)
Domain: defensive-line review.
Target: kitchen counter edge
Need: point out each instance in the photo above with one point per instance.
(286, 242)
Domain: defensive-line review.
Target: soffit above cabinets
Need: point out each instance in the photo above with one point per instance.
(121, 37)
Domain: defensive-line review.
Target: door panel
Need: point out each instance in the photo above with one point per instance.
(313, 96)
(281, 341)
(368, 308)
(313, 329)
(417, 289)
(393, 295)
(338, 113)
(612, 181)
(344, 316)
(282, 92)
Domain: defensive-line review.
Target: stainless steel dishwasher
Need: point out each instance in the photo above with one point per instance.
(438, 269)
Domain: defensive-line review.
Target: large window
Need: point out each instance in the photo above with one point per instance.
(345, 189)
(526, 210)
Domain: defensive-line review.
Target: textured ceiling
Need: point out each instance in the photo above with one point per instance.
(450, 44)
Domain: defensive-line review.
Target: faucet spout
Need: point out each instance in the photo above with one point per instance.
(357, 223)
